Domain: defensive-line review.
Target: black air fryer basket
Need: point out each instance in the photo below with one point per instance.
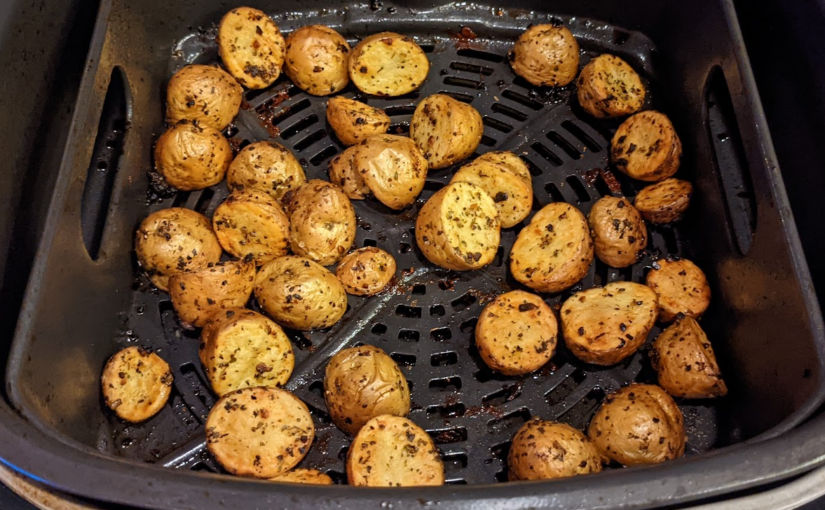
(85, 298)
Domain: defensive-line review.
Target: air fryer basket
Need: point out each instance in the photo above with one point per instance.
(84, 300)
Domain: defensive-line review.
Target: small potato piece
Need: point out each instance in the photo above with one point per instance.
(391, 451)
(252, 224)
(251, 47)
(605, 325)
(342, 172)
(458, 227)
(300, 293)
(321, 221)
(266, 167)
(388, 64)
(241, 349)
(546, 55)
(361, 383)
(300, 475)
(316, 60)
(554, 250)
(136, 384)
(681, 286)
(354, 121)
(638, 424)
(511, 191)
(619, 233)
(646, 147)
(206, 94)
(445, 129)
(260, 432)
(664, 202)
(198, 295)
(685, 362)
(516, 333)
(366, 271)
(543, 450)
(609, 87)
(174, 240)
(192, 157)
(393, 169)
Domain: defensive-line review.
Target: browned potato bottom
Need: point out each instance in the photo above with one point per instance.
(685, 362)
(136, 384)
(544, 449)
(366, 271)
(681, 286)
(664, 202)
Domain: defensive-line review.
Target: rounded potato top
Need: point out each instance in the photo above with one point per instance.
(252, 224)
(206, 94)
(681, 287)
(546, 55)
(544, 449)
(251, 47)
(321, 221)
(267, 167)
(366, 271)
(136, 384)
(619, 233)
(445, 129)
(316, 60)
(342, 172)
(392, 167)
(192, 157)
(646, 147)
(609, 87)
(199, 294)
(665, 201)
(354, 121)
(388, 64)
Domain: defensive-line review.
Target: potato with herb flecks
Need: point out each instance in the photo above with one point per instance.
(546, 55)
(543, 450)
(388, 64)
(608, 87)
(664, 202)
(366, 271)
(251, 47)
(342, 171)
(646, 147)
(684, 360)
(446, 130)
(267, 167)
(681, 286)
(201, 293)
(392, 167)
(252, 224)
(136, 384)
(206, 94)
(316, 60)
(353, 121)
(192, 157)
(619, 233)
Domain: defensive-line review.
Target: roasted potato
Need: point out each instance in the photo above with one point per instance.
(136, 384)
(342, 172)
(300, 293)
(638, 424)
(199, 294)
(301, 475)
(361, 383)
(685, 362)
(251, 47)
(240, 348)
(366, 271)
(516, 333)
(619, 233)
(546, 55)
(605, 325)
(512, 190)
(664, 202)
(388, 64)
(206, 94)
(252, 224)
(267, 167)
(458, 227)
(554, 250)
(321, 221)
(260, 432)
(646, 147)
(392, 451)
(192, 157)
(545, 449)
(681, 287)
(609, 87)
(316, 60)
(445, 129)
(392, 168)
(174, 240)
(354, 121)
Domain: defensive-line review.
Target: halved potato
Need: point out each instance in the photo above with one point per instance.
(609, 87)
(664, 202)
(206, 94)
(252, 224)
(545, 449)
(136, 384)
(251, 47)
(316, 60)
(354, 121)
(646, 147)
(619, 233)
(267, 167)
(388, 64)
(192, 157)
(392, 167)
(342, 172)
(302, 475)
(681, 286)
(445, 129)
(685, 362)
(546, 55)
(199, 294)
(366, 271)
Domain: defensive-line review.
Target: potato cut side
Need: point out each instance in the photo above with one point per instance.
(646, 147)
(445, 129)
(354, 121)
(681, 286)
(546, 55)
(511, 191)
(619, 233)
(342, 172)
(251, 47)
(366, 271)
(543, 450)
(316, 60)
(252, 224)
(388, 64)
(392, 168)
(664, 202)
(198, 295)
(266, 167)
(136, 384)
(192, 157)
(685, 361)
(321, 221)
(301, 475)
(609, 87)
(206, 94)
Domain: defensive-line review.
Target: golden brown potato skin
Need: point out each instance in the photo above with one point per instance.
(619, 233)
(174, 240)
(206, 94)
(639, 424)
(388, 64)
(316, 60)
(192, 157)
(664, 202)
(445, 129)
(685, 362)
(251, 47)
(299, 293)
(681, 286)
(136, 384)
(198, 295)
(646, 147)
(609, 87)
(361, 383)
(321, 221)
(267, 167)
(342, 172)
(543, 450)
(546, 55)
(354, 121)
(252, 224)
(366, 271)
(301, 475)
(392, 168)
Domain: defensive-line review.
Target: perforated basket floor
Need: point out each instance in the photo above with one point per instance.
(426, 320)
